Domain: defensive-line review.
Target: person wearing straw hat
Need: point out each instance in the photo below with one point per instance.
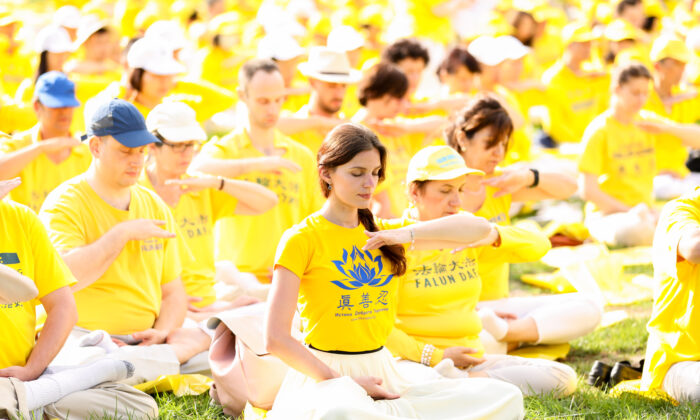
(329, 73)
(197, 202)
(32, 272)
(670, 56)
(47, 154)
(341, 369)
(259, 152)
(672, 361)
(437, 323)
(120, 241)
(574, 95)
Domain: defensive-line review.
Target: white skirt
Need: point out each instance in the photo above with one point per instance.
(301, 397)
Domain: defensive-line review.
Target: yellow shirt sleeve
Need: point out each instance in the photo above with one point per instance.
(592, 158)
(521, 244)
(293, 252)
(406, 347)
(50, 272)
(62, 221)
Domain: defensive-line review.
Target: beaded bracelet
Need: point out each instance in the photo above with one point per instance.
(427, 354)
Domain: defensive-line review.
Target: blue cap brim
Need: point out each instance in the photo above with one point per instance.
(51, 101)
(136, 138)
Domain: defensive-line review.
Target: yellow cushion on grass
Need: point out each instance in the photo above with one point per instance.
(548, 352)
(632, 387)
(180, 385)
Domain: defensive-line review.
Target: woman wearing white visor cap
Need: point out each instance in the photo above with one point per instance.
(197, 202)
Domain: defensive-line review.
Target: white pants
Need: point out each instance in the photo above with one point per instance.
(532, 376)
(559, 318)
(630, 228)
(682, 382)
(149, 362)
(434, 397)
(667, 187)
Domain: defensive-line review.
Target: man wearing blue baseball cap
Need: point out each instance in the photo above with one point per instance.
(47, 154)
(118, 238)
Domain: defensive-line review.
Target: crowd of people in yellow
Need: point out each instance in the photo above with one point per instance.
(321, 191)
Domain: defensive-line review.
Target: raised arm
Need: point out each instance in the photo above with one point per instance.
(11, 164)
(233, 168)
(519, 181)
(252, 198)
(88, 263)
(446, 232)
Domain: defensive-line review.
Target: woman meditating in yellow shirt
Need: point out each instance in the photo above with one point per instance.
(618, 164)
(345, 287)
(437, 321)
(481, 135)
(196, 202)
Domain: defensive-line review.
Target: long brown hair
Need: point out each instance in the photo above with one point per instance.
(339, 147)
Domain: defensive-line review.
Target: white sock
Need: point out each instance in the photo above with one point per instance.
(99, 338)
(50, 388)
(493, 324)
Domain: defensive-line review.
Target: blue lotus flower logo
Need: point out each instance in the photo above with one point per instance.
(360, 269)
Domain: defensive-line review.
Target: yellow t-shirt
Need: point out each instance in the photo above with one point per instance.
(15, 116)
(25, 247)
(674, 335)
(127, 298)
(623, 157)
(195, 215)
(671, 154)
(249, 241)
(573, 101)
(518, 244)
(221, 67)
(42, 175)
(347, 297)
(437, 304)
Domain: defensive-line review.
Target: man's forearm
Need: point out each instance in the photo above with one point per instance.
(229, 168)
(88, 263)
(12, 164)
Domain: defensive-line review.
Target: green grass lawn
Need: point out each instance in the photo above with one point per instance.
(623, 341)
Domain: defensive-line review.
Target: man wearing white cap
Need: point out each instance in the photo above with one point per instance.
(259, 152)
(95, 37)
(329, 73)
